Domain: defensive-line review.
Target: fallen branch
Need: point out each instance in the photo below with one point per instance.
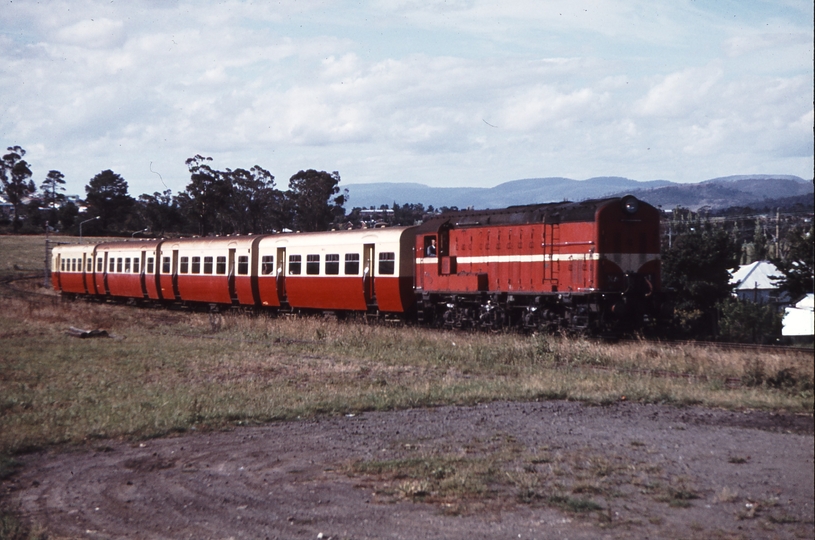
(78, 332)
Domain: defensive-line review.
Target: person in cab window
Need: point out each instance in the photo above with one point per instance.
(431, 249)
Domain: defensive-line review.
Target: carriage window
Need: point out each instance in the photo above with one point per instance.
(111, 265)
(267, 265)
(127, 265)
(73, 265)
(136, 266)
(332, 264)
(89, 264)
(184, 265)
(243, 265)
(149, 265)
(100, 264)
(207, 265)
(119, 264)
(62, 265)
(352, 264)
(220, 265)
(165, 265)
(312, 264)
(387, 263)
(196, 265)
(294, 264)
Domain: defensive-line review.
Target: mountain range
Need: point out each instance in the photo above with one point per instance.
(757, 191)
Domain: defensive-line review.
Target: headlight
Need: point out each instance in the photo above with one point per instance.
(631, 204)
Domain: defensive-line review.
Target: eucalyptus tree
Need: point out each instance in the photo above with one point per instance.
(106, 197)
(52, 193)
(15, 176)
(314, 197)
(207, 197)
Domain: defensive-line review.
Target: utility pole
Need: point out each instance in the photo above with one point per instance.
(777, 232)
(47, 258)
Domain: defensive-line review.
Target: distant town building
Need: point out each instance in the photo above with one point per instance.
(757, 282)
(799, 320)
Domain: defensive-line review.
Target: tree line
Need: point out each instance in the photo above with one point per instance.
(239, 201)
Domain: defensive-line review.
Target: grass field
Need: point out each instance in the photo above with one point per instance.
(172, 371)
(26, 254)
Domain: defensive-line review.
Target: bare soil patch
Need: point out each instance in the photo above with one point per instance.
(556, 470)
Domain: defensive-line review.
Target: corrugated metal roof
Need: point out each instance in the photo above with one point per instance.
(757, 275)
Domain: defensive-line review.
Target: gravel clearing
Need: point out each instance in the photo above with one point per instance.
(651, 471)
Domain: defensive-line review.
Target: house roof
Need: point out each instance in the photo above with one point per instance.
(757, 275)
(807, 301)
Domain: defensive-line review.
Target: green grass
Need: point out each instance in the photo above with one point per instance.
(24, 254)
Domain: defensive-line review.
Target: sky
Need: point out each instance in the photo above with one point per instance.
(448, 93)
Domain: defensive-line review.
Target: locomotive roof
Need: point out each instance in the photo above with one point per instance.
(560, 212)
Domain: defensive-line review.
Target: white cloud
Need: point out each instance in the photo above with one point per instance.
(680, 92)
(93, 34)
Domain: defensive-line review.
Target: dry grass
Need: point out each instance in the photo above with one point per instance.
(26, 254)
(21, 253)
(170, 371)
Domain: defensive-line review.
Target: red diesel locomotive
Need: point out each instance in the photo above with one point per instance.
(588, 266)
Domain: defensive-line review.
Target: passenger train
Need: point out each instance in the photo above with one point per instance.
(591, 266)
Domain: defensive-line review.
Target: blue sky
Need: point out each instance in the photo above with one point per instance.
(445, 93)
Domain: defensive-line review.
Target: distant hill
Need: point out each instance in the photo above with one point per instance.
(526, 191)
(748, 191)
(718, 193)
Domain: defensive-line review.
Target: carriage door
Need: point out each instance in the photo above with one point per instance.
(280, 273)
(105, 276)
(368, 272)
(230, 270)
(87, 273)
(174, 271)
(142, 282)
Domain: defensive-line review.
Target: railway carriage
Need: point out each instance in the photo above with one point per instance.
(357, 270)
(71, 269)
(126, 269)
(206, 270)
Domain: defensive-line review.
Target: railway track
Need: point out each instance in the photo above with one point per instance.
(9, 288)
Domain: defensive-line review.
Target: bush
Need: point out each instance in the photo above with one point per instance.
(748, 322)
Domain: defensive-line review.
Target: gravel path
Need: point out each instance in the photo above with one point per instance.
(653, 472)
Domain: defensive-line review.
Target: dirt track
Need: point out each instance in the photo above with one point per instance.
(744, 475)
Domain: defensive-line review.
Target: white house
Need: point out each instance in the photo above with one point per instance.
(755, 283)
(799, 321)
